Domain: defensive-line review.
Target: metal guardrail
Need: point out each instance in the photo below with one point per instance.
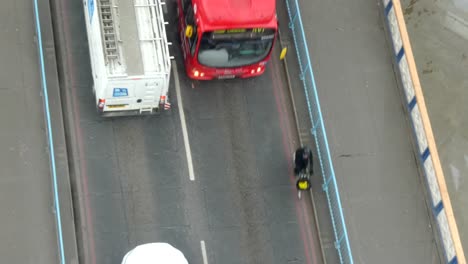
(50, 137)
(426, 147)
(318, 131)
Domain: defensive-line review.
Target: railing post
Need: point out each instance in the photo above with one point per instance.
(338, 243)
(305, 70)
(293, 19)
(314, 128)
(325, 185)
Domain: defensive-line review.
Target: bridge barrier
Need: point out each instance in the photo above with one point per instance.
(319, 134)
(424, 138)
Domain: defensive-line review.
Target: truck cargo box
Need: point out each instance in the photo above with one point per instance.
(129, 55)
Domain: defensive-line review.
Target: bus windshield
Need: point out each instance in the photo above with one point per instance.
(235, 47)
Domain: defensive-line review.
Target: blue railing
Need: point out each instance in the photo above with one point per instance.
(50, 137)
(318, 131)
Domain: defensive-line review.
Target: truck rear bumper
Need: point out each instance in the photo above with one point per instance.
(155, 111)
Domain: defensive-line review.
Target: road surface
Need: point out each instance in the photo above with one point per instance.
(132, 183)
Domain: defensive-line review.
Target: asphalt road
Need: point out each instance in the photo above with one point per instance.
(130, 176)
(28, 227)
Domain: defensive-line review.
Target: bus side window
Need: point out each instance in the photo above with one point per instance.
(193, 44)
(190, 20)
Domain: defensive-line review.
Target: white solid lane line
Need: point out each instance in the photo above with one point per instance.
(188, 152)
(203, 251)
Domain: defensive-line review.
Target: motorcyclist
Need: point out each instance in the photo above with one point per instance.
(303, 160)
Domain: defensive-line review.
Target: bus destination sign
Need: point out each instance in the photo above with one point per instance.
(243, 33)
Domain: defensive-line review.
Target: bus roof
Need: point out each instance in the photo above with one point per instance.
(226, 13)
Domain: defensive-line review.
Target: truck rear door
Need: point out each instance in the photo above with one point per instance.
(120, 96)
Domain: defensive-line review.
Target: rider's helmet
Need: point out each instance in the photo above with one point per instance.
(305, 154)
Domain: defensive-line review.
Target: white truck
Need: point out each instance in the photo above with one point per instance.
(130, 59)
(161, 253)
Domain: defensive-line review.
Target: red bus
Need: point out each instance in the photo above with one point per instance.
(225, 39)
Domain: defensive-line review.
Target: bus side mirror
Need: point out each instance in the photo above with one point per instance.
(189, 31)
(283, 53)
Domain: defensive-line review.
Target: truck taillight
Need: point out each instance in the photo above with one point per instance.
(101, 103)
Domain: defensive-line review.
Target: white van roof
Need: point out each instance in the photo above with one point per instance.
(155, 253)
(134, 36)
